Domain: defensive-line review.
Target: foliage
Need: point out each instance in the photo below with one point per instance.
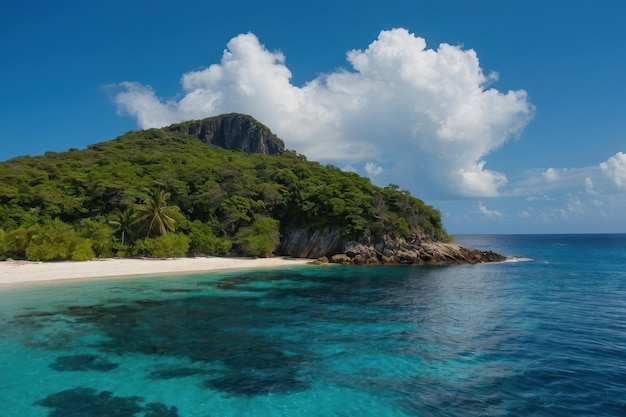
(203, 240)
(57, 241)
(123, 195)
(155, 215)
(123, 222)
(100, 235)
(261, 238)
(3, 245)
(170, 245)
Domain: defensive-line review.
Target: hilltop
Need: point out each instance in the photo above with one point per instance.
(222, 185)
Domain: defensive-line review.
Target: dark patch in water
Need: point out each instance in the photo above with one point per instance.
(37, 314)
(175, 290)
(100, 311)
(176, 373)
(252, 385)
(239, 287)
(232, 331)
(160, 410)
(82, 363)
(236, 284)
(150, 303)
(87, 402)
(259, 370)
(237, 331)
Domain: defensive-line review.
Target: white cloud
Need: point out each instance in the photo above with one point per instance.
(373, 169)
(565, 196)
(535, 183)
(429, 111)
(349, 168)
(593, 180)
(539, 197)
(574, 205)
(551, 174)
(615, 169)
(141, 103)
(489, 213)
(589, 186)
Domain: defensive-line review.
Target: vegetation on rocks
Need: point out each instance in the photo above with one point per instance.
(160, 192)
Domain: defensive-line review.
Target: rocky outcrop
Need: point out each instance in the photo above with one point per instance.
(398, 251)
(328, 246)
(233, 131)
(305, 243)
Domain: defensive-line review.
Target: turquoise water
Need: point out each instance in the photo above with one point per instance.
(543, 336)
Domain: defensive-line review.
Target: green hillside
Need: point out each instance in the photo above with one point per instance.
(158, 192)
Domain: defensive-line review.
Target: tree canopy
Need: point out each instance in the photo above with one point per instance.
(201, 199)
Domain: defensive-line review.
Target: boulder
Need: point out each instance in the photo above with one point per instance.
(341, 258)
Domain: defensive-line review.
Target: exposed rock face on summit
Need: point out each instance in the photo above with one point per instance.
(328, 246)
(233, 131)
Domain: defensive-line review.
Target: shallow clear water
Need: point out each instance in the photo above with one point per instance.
(542, 337)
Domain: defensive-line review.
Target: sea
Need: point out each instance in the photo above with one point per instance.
(543, 334)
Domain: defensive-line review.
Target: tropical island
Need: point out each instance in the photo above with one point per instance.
(225, 185)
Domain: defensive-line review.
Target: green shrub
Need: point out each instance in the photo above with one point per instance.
(170, 245)
(83, 251)
(257, 245)
(100, 235)
(56, 241)
(260, 239)
(3, 245)
(204, 241)
(17, 241)
(143, 247)
(53, 241)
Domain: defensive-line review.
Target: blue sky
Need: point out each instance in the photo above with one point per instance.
(507, 116)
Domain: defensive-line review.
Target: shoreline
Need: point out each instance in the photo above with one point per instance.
(23, 272)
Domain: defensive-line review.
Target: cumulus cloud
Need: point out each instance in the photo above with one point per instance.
(602, 178)
(489, 213)
(536, 183)
(431, 112)
(588, 199)
(575, 205)
(615, 169)
(373, 169)
(551, 174)
(589, 186)
(538, 197)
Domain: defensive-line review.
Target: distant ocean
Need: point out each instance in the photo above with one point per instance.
(542, 335)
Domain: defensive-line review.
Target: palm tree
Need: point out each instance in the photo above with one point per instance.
(155, 214)
(124, 221)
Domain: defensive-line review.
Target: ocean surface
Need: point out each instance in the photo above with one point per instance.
(541, 335)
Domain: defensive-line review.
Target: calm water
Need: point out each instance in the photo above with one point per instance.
(541, 337)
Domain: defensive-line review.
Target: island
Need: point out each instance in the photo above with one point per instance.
(221, 186)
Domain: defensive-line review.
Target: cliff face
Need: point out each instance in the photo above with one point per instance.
(328, 246)
(233, 131)
(303, 243)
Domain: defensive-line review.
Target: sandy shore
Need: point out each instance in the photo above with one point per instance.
(15, 272)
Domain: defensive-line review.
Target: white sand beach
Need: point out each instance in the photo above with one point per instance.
(15, 272)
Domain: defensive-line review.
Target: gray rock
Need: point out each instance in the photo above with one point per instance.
(305, 243)
(328, 243)
(233, 131)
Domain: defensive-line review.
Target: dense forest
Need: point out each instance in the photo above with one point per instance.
(163, 193)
